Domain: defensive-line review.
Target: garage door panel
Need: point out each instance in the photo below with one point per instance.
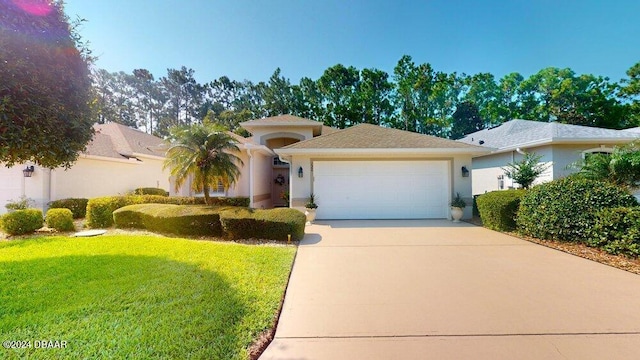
(381, 189)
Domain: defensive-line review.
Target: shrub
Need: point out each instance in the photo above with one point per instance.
(566, 209)
(171, 219)
(22, 203)
(150, 191)
(617, 231)
(498, 209)
(273, 224)
(78, 207)
(22, 221)
(60, 219)
(100, 210)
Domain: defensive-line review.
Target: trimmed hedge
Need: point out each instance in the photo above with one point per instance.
(273, 224)
(617, 231)
(60, 219)
(230, 222)
(150, 191)
(100, 210)
(566, 209)
(498, 209)
(78, 206)
(171, 219)
(22, 221)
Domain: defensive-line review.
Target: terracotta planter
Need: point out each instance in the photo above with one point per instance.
(456, 214)
(310, 214)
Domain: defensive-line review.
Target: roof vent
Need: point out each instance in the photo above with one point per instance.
(481, 142)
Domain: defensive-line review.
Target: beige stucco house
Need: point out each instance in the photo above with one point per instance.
(118, 159)
(363, 172)
(560, 146)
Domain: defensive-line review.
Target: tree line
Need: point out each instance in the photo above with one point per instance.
(415, 97)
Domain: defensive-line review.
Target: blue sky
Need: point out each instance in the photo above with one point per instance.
(249, 39)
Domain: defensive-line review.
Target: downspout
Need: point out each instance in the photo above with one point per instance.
(250, 177)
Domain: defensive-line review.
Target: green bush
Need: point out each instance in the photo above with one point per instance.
(273, 224)
(150, 191)
(100, 210)
(78, 207)
(617, 231)
(498, 209)
(60, 219)
(171, 219)
(566, 209)
(22, 221)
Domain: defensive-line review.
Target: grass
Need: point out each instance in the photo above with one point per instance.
(139, 297)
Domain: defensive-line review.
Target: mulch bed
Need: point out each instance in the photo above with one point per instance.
(618, 261)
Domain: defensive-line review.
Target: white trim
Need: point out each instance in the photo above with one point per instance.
(154, 157)
(131, 161)
(601, 149)
(383, 151)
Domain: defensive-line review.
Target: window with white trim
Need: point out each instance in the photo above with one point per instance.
(599, 150)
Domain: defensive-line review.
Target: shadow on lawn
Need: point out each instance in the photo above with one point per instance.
(120, 306)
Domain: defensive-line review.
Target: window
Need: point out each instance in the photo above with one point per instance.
(599, 150)
(278, 162)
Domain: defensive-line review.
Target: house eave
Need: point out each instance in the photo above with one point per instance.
(560, 141)
(382, 152)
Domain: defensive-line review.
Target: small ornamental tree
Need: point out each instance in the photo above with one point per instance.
(44, 85)
(527, 170)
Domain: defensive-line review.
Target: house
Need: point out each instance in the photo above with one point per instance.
(362, 172)
(560, 146)
(117, 160)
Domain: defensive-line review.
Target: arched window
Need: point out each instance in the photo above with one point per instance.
(598, 150)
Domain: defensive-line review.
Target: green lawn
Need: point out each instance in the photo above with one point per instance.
(139, 297)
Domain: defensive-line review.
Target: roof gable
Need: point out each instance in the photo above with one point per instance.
(368, 136)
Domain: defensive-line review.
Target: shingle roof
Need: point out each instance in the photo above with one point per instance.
(118, 141)
(368, 136)
(281, 120)
(519, 132)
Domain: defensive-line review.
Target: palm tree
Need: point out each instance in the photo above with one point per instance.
(205, 152)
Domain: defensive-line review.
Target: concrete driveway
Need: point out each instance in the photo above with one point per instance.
(431, 289)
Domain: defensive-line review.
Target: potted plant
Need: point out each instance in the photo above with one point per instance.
(457, 208)
(311, 208)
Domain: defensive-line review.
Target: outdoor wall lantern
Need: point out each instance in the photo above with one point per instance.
(465, 171)
(28, 171)
(300, 172)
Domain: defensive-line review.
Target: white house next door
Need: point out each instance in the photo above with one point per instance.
(387, 189)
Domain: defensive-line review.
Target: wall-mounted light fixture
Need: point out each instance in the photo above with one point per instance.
(465, 171)
(300, 172)
(28, 171)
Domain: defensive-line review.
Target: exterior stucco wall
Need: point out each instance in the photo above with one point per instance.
(486, 169)
(262, 181)
(301, 188)
(261, 135)
(92, 178)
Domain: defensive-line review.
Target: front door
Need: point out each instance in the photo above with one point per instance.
(280, 186)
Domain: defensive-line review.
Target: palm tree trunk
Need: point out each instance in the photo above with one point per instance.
(205, 190)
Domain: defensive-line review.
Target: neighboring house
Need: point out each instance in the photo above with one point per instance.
(117, 160)
(560, 146)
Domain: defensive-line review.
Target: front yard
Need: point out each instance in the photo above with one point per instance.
(138, 296)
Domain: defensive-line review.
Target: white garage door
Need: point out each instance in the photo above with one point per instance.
(381, 189)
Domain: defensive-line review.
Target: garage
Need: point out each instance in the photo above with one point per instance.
(392, 189)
